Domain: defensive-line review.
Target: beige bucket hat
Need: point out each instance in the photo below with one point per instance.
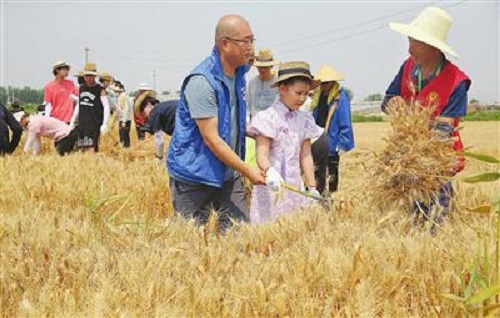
(90, 69)
(326, 73)
(265, 59)
(106, 77)
(295, 69)
(431, 26)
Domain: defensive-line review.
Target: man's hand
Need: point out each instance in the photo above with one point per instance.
(256, 176)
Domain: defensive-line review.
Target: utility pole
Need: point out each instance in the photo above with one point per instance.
(86, 49)
(154, 80)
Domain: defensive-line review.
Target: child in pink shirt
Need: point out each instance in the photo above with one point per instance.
(48, 127)
(283, 135)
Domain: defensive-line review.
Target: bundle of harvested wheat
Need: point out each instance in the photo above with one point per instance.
(416, 161)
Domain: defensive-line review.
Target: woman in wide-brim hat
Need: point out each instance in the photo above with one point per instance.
(283, 136)
(331, 109)
(428, 78)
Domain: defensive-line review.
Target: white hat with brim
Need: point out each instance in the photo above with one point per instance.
(19, 115)
(115, 88)
(431, 26)
(60, 64)
(144, 87)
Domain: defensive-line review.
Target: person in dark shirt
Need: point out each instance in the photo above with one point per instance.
(92, 111)
(7, 124)
(160, 118)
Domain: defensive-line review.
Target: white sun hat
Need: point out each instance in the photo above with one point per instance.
(431, 26)
(144, 87)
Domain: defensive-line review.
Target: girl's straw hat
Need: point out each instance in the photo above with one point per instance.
(295, 69)
(264, 59)
(431, 26)
(326, 73)
(90, 69)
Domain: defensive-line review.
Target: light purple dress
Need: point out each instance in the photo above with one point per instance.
(287, 130)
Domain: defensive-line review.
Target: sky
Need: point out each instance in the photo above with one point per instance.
(132, 39)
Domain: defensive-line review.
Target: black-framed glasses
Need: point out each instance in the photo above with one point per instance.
(247, 42)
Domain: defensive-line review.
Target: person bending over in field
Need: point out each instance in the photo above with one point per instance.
(428, 77)
(92, 111)
(283, 136)
(160, 119)
(48, 127)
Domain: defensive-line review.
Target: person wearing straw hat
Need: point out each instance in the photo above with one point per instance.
(60, 94)
(430, 79)
(92, 111)
(140, 122)
(260, 94)
(8, 123)
(283, 136)
(206, 153)
(331, 109)
(106, 80)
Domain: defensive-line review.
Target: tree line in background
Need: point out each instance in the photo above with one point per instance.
(25, 95)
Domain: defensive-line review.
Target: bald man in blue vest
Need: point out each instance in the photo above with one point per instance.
(206, 155)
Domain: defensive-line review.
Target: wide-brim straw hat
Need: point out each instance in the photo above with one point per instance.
(431, 26)
(264, 59)
(90, 69)
(60, 64)
(326, 73)
(104, 76)
(295, 69)
(140, 99)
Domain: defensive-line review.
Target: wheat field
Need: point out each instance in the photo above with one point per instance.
(95, 236)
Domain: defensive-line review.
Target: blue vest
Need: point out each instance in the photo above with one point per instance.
(189, 158)
(340, 134)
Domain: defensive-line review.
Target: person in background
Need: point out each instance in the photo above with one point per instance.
(429, 78)
(8, 123)
(60, 94)
(124, 113)
(140, 122)
(48, 127)
(15, 107)
(331, 109)
(260, 93)
(106, 80)
(160, 119)
(92, 111)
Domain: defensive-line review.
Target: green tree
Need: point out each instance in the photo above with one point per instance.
(374, 98)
